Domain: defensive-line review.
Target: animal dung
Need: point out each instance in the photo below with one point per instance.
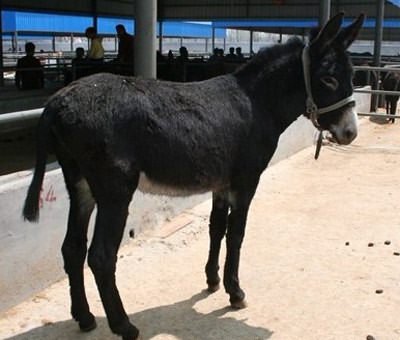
(347, 243)
(379, 291)
(370, 337)
(370, 244)
(396, 253)
(387, 242)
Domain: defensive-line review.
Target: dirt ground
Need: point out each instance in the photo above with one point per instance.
(307, 267)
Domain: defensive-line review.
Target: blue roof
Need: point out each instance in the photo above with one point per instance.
(44, 22)
(395, 2)
(59, 23)
(297, 23)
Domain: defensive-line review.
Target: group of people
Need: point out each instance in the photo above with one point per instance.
(125, 45)
(232, 57)
(29, 70)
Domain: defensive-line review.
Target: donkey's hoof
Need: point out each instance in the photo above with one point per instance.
(212, 288)
(240, 304)
(88, 324)
(137, 337)
(131, 334)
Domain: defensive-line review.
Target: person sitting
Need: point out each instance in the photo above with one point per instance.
(215, 56)
(239, 54)
(231, 57)
(78, 63)
(96, 50)
(183, 56)
(32, 77)
(125, 45)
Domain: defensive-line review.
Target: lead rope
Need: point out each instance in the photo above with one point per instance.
(311, 108)
(319, 145)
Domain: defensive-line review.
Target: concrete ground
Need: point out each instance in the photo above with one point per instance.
(313, 260)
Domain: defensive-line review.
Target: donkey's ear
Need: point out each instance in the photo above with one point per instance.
(327, 34)
(348, 34)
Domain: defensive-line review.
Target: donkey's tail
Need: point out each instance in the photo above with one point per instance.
(31, 206)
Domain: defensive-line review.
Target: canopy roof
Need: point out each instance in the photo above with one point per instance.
(288, 16)
(31, 23)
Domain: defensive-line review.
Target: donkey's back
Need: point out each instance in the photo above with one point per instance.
(186, 136)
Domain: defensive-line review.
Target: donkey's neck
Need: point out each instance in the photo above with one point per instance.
(274, 83)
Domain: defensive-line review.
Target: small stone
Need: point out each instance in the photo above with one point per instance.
(379, 291)
(46, 322)
(347, 243)
(370, 337)
(387, 242)
(132, 233)
(370, 244)
(396, 253)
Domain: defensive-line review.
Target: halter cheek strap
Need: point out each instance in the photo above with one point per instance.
(311, 108)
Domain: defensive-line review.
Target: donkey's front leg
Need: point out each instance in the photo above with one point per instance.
(110, 223)
(218, 224)
(240, 202)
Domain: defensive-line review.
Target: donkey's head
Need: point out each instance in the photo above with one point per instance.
(328, 77)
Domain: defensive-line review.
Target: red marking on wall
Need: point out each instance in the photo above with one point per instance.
(48, 196)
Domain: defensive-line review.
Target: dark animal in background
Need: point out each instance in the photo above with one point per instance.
(391, 82)
(113, 134)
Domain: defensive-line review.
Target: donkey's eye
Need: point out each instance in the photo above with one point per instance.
(330, 82)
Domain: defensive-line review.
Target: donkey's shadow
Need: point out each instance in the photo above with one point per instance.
(179, 320)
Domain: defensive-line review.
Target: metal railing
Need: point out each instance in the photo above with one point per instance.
(10, 122)
(378, 92)
(27, 119)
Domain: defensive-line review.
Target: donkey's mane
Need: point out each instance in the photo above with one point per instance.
(270, 57)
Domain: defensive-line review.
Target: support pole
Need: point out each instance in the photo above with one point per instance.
(324, 11)
(380, 13)
(213, 39)
(251, 42)
(160, 36)
(1, 46)
(94, 13)
(145, 38)
(16, 41)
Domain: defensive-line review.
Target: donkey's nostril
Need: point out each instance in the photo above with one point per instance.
(350, 133)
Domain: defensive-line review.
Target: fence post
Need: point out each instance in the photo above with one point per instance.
(380, 13)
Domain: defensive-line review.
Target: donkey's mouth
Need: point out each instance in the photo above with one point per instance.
(344, 138)
(331, 138)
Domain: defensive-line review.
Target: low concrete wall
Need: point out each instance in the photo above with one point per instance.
(30, 257)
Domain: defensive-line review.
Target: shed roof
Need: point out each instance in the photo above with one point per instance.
(35, 22)
(291, 12)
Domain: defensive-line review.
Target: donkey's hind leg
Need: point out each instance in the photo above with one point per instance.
(74, 248)
(218, 225)
(113, 198)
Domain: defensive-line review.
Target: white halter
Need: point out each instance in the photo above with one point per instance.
(312, 108)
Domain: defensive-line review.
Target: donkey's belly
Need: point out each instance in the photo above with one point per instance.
(149, 186)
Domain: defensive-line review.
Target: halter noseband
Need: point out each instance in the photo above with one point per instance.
(312, 108)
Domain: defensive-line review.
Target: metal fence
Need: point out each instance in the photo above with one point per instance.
(378, 93)
(25, 119)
